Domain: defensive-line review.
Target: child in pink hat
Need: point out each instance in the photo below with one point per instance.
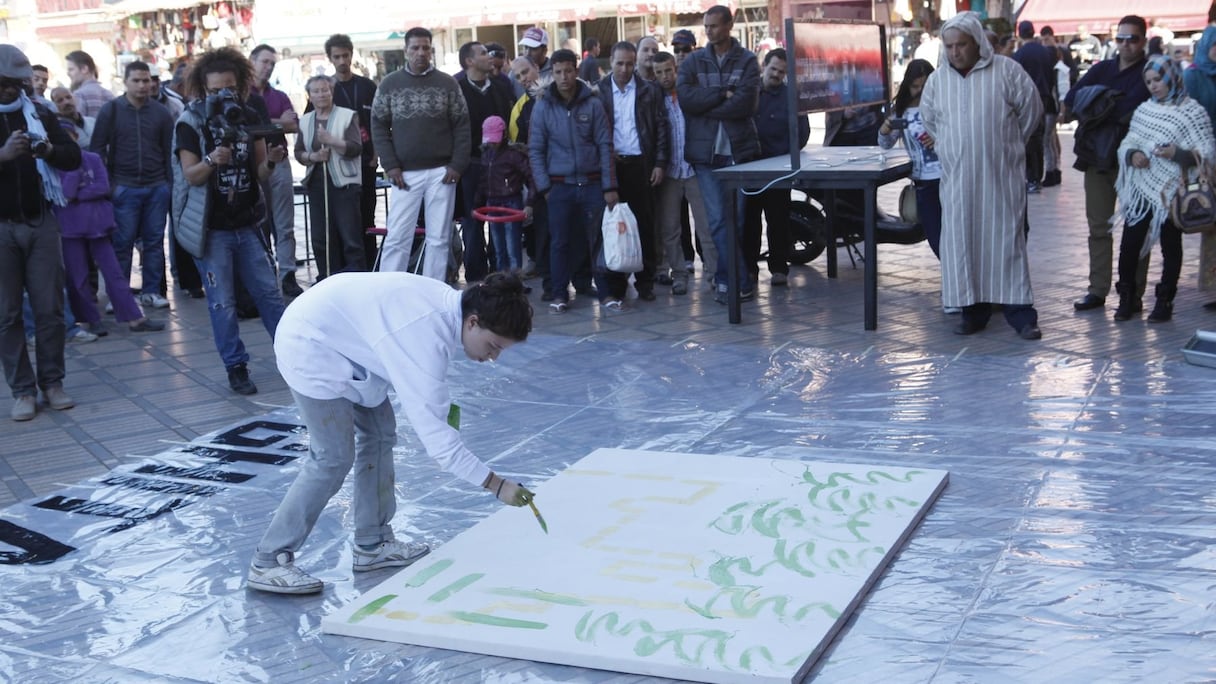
(505, 175)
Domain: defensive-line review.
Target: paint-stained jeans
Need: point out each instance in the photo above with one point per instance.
(229, 253)
(341, 434)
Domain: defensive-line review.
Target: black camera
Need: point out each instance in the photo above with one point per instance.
(232, 121)
(897, 123)
(38, 144)
(224, 109)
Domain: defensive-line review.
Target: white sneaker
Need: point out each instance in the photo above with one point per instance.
(389, 554)
(284, 578)
(82, 336)
(154, 300)
(109, 307)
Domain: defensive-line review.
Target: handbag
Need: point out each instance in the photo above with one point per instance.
(1193, 209)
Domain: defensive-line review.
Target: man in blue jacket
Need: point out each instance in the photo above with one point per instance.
(718, 88)
(772, 124)
(570, 149)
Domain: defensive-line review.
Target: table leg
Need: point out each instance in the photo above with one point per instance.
(829, 212)
(871, 258)
(733, 306)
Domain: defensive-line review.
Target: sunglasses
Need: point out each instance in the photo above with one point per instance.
(1127, 38)
(499, 54)
(681, 49)
(14, 83)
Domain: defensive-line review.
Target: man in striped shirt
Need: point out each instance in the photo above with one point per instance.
(679, 184)
(90, 95)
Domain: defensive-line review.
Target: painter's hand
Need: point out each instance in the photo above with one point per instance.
(507, 491)
(1139, 160)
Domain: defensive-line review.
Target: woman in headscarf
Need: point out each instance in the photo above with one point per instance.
(1200, 81)
(1170, 134)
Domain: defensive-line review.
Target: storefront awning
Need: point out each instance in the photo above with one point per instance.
(634, 9)
(128, 8)
(1098, 16)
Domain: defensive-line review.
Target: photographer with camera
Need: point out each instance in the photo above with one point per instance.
(222, 157)
(31, 259)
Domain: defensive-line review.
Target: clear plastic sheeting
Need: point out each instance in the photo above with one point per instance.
(1075, 541)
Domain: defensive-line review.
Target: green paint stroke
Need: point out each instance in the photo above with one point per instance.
(446, 592)
(744, 603)
(495, 621)
(422, 577)
(547, 597)
(371, 608)
(691, 646)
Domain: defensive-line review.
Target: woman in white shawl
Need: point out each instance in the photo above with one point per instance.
(1169, 132)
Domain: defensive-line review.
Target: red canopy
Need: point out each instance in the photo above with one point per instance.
(1099, 15)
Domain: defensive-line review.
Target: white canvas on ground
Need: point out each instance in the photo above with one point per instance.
(705, 568)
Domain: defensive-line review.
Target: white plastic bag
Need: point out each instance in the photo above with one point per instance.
(622, 243)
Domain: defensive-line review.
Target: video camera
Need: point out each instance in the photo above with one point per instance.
(233, 121)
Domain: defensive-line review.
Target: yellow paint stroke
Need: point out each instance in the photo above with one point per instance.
(633, 509)
(509, 607)
(401, 615)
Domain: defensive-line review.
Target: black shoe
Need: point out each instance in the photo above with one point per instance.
(969, 328)
(647, 295)
(547, 296)
(1089, 302)
(1052, 178)
(238, 380)
(1210, 306)
(290, 287)
(245, 314)
(197, 293)
(1030, 332)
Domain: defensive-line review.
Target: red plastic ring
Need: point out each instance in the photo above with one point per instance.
(499, 214)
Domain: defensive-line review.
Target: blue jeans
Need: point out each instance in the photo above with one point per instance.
(341, 434)
(227, 254)
(722, 210)
(575, 208)
(507, 237)
(140, 215)
(929, 212)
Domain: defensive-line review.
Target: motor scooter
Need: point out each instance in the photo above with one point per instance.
(809, 224)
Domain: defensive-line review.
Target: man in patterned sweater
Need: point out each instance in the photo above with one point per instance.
(420, 127)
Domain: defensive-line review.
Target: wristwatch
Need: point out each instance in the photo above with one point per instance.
(209, 162)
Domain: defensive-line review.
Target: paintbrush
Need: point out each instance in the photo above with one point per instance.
(539, 518)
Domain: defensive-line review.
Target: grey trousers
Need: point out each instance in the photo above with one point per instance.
(667, 217)
(341, 434)
(31, 259)
(280, 204)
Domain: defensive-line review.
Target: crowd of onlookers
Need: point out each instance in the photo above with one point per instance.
(528, 154)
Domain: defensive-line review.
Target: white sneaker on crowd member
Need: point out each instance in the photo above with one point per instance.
(153, 300)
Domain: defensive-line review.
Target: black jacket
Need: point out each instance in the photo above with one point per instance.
(650, 118)
(1100, 130)
(702, 86)
(496, 100)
